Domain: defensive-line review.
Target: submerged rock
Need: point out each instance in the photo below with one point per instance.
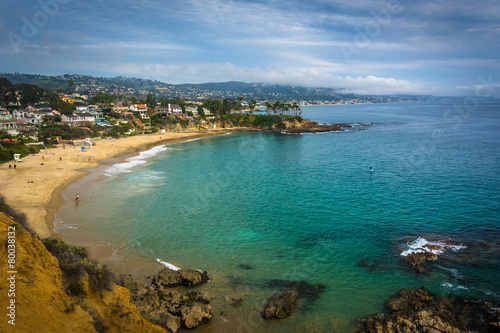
(304, 289)
(280, 305)
(234, 301)
(419, 310)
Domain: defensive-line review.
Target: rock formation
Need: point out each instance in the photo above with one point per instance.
(40, 299)
(166, 307)
(419, 310)
(280, 305)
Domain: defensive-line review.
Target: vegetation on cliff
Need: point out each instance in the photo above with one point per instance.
(42, 301)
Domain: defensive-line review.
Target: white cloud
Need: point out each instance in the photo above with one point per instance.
(303, 76)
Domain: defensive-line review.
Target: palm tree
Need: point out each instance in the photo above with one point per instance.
(268, 108)
(296, 107)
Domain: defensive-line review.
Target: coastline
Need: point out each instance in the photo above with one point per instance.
(35, 189)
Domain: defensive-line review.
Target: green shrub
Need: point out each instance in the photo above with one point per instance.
(74, 262)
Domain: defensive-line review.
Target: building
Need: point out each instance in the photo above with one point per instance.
(141, 108)
(9, 126)
(161, 112)
(174, 109)
(30, 117)
(35, 108)
(5, 115)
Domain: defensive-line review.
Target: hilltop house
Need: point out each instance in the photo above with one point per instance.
(141, 108)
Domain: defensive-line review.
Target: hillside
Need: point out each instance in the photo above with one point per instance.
(233, 89)
(40, 302)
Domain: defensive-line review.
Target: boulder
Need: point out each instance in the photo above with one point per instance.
(167, 320)
(196, 315)
(168, 278)
(280, 305)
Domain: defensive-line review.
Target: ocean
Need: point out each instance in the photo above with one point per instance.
(258, 210)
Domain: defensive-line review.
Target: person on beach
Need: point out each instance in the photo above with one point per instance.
(77, 198)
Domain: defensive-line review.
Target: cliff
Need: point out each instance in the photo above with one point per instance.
(31, 284)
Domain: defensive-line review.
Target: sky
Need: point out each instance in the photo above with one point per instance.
(438, 47)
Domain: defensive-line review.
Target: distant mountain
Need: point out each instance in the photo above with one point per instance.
(233, 89)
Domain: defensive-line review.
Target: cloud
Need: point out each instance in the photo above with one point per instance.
(304, 76)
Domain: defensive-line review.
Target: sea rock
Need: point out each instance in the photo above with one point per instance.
(167, 320)
(280, 305)
(167, 307)
(416, 259)
(234, 301)
(196, 315)
(168, 278)
(419, 310)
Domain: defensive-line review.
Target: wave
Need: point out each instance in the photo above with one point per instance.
(169, 265)
(132, 162)
(421, 244)
(195, 139)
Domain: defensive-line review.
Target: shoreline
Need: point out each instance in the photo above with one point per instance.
(41, 199)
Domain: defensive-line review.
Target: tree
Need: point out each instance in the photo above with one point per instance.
(150, 101)
(71, 83)
(63, 107)
(30, 94)
(201, 110)
(269, 107)
(7, 92)
(296, 107)
(252, 104)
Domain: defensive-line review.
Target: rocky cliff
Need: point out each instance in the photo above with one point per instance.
(34, 299)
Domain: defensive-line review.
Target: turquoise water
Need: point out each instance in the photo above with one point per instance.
(306, 207)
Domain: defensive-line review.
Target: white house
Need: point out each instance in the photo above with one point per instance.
(174, 109)
(141, 108)
(9, 126)
(29, 117)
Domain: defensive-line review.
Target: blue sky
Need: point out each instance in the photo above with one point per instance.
(447, 47)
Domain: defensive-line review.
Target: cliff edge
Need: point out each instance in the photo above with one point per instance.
(34, 298)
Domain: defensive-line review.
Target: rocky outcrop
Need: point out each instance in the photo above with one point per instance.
(280, 305)
(168, 278)
(167, 307)
(419, 310)
(40, 300)
(421, 250)
(417, 259)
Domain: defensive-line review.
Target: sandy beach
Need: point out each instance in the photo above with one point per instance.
(34, 186)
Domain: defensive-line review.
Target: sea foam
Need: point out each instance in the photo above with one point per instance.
(169, 265)
(421, 244)
(132, 162)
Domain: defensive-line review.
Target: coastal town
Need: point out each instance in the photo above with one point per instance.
(80, 108)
